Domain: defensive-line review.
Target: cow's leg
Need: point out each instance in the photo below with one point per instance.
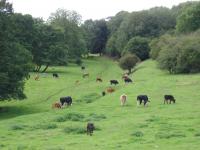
(170, 101)
(164, 101)
(137, 103)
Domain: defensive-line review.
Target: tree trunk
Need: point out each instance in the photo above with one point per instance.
(129, 71)
(45, 68)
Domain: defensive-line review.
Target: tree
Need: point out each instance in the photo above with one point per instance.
(189, 19)
(128, 62)
(15, 59)
(68, 22)
(138, 46)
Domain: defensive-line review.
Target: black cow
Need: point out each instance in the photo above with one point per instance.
(143, 98)
(103, 93)
(90, 128)
(55, 75)
(67, 100)
(115, 82)
(169, 98)
(128, 80)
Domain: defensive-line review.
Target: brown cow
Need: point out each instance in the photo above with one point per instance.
(110, 90)
(56, 105)
(123, 98)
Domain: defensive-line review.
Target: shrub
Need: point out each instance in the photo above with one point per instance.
(181, 54)
(74, 130)
(138, 134)
(128, 62)
(78, 61)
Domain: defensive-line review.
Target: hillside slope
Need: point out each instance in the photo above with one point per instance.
(33, 124)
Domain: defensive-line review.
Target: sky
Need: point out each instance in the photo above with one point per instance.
(88, 9)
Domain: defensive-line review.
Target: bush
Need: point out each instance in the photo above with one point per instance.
(78, 61)
(181, 54)
(128, 62)
(70, 117)
(138, 134)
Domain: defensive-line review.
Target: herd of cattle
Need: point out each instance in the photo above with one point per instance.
(67, 101)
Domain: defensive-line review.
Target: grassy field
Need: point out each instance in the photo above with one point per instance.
(33, 124)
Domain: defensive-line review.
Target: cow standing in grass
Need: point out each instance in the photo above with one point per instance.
(66, 100)
(169, 98)
(115, 82)
(90, 129)
(142, 98)
(123, 99)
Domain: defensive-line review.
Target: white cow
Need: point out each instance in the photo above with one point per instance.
(123, 98)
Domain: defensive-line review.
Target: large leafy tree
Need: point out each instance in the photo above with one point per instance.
(69, 24)
(189, 19)
(15, 59)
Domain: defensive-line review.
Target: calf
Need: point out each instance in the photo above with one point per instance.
(115, 82)
(56, 105)
(143, 98)
(110, 90)
(169, 98)
(85, 75)
(99, 79)
(55, 75)
(66, 100)
(128, 80)
(123, 98)
(90, 128)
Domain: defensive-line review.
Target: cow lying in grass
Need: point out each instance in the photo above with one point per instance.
(56, 105)
(110, 90)
(90, 128)
(142, 98)
(169, 98)
(128, 80)
(123, 98)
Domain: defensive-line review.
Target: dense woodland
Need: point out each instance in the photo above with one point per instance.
(170, 36)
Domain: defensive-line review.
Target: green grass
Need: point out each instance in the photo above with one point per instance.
(33, 124)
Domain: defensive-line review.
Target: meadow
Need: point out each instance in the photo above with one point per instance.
(32, 124)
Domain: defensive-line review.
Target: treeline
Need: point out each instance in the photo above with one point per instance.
(163, 34)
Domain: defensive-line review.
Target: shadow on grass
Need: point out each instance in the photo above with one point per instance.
(7, 112)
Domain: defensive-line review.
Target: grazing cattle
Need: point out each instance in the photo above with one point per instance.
(66, 100)
(90, 128)
(103, 93)
(37, 77)
(85, 75)
(115, 82)
(143, 98)
(169, 98)
(123, 98)
(55, 75)
(110, 90)
(128, 80)
(99, 79)
(56, 105)
(82, 68)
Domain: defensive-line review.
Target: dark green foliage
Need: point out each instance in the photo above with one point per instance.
(95, 117)
(181, 54)
(189, 19)
(15, 59)
(70, 117)
(128, 62)
(90, 98)
(78, 61)
(138, 46)
(45, 126)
